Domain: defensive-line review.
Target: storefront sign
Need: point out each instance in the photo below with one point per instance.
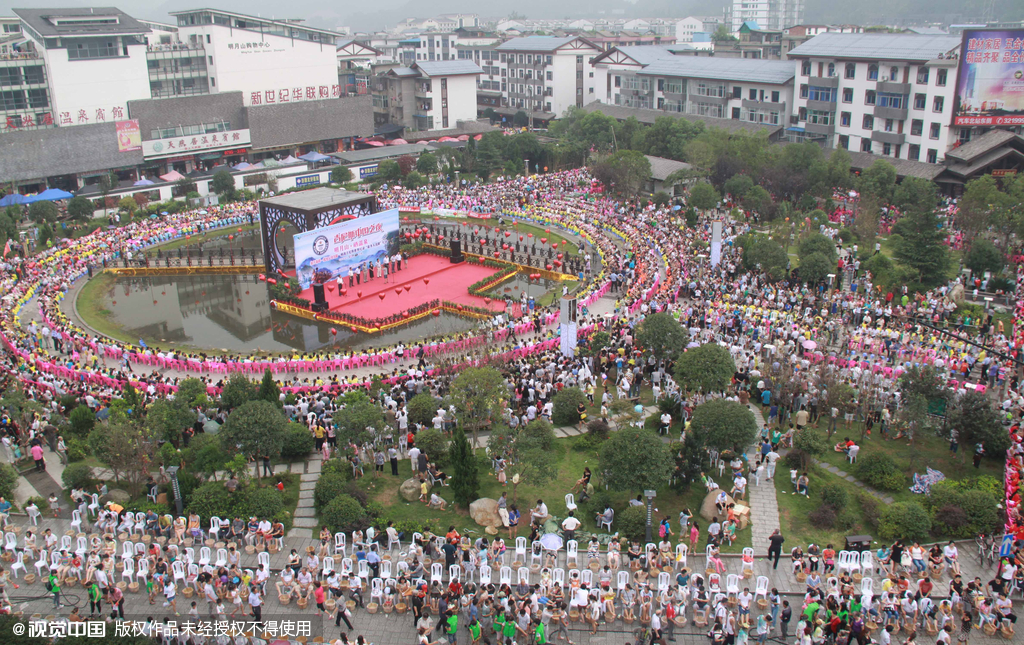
(367, 171)
(307, 180)
(1004, 172)
(129, 137)
(174, 146)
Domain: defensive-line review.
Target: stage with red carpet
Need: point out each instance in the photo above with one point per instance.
(428, 277)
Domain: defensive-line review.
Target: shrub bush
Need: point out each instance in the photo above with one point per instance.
(563, 412)
(904, 520)
(823, 517)
(212, 499)
(435, 444)
(77, 449)
(982, 509)
(143, 505)
(75, 476)
(82, 420)
(259, 502)
(795, 458)
(422, 408)
(343, 514)
(951, 521)
(880, 471)
(541, 432)
(9, 480)
(337, 467)
(599, 429)
(631, 523)
(298, 443)
(587, 442)
(979, 508)
(327, 488)
(355, 492)
(835, 496)
(869, 509)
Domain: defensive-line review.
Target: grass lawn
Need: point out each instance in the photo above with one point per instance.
(524, 229)
(794, 510)
(569, 468)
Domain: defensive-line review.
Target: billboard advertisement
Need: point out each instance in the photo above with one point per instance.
(129, 136)
(329, 252)
(990, 83)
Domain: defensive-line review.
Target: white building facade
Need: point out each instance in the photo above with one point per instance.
(768, 14)
(886, 94)
(546, 75)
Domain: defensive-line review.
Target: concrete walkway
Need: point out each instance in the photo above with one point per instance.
(764, 507)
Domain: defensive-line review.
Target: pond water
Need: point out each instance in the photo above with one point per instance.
(233, 313)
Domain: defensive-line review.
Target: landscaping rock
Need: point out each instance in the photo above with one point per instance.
(484, 512)
(119, 496)
(410, 489)
(707, 507)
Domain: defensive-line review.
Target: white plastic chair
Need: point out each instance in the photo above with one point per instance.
(572, 553)
(854, 563)
(19, 563)
(127, 551)
(681, 551)
(193, 573)
(33, 515)
(65, 543)
(832, 586)
(346, 567)
(621, 579)
(558, 577)
(222, 558)
(867, 563)
(214, 527)
(363, 570)
(454, 573)
(190, 555)
(377, 590)
(707, 557)
(852, 455)
(570, 502)
(587, 577)
(76, 521)
(328, 566)
(204, 556)
(761, 588)
(664, 581)
(42, 563)
(714, 583)
(436, 572)
(128, 572)
(523, 575)
(263, 558)
(536, 553)
(394, 542)
(10, 541)
(505, 576)
(140, 525)
(94, 507)
(520, 549)
(140, 549)
(603, 523)
(143, 571)
(82, 547)
(650, 550)
(485, 575)
(385, 569)
(732, 585)
(178, 567)
(339, 544)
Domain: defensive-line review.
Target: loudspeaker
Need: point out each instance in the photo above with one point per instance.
(319, 301)
(456, 247)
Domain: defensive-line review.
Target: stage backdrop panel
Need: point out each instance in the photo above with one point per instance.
(337, 247)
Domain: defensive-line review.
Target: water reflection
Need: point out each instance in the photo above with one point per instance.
(233, 313)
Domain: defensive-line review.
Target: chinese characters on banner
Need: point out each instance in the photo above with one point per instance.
(83, 116)
(294, 94)
(990, 85)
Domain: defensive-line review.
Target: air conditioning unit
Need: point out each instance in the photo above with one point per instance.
(885, 79)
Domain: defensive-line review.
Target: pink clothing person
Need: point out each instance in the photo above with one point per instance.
(37, 455)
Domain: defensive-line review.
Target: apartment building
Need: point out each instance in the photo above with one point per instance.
(752, 91)
(544, 76)
(885, 94)
(768, 14)
(428, 95)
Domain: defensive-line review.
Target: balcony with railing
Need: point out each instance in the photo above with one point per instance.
(170, 48)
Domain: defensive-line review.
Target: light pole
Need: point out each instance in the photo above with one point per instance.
(172, 472)
(650, 495)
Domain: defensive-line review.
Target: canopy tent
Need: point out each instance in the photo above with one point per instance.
(289, 159)
(242, 166)
(314, 156)
(398, 142)
(270, 162)
(174, 175)
(49, 195)
(375, 144)
(143, 182)
(12, 199)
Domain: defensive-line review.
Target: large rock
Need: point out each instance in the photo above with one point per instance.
(119, 496)
(708, 509)
(410, 489)
(484, 512)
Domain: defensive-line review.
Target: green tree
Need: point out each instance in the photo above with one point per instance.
(168, 418)
(811, 443)
(388, 170)
(918, 240)
(708, 368)
(839, 169)
(765, 254)
(635, 459)
(520, 119)
(360, 418)
(661, 199)
(984, 256)
(127, 206)
(528, 453)
(976, 208)
(757, 200)
(477, 395)
(127, 447)
(738, 185)
(192, 391)
(107, 183)
(427, 163)
(816, 243)
(223, 184)
(722, 35)
(465, 478)
(253, 429)
(723, 425)
(488, 156)
(625, 170)
(703, 196)
(414, 180)
(341, 175)
(976, 421)
(81, 208)
(269, 391)
(878, 180)
(816, 267)
(662, 335)
(238, 391)
(184, 187)
(44, 211)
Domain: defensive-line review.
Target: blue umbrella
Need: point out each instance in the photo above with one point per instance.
(676, 207)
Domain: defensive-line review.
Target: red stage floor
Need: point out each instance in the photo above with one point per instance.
(447, 281)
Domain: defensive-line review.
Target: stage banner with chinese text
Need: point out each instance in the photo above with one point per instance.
(990, 83)
(326, 253)
(129, 136)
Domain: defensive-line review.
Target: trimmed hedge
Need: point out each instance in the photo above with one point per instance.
(906, 520)
(880, 471)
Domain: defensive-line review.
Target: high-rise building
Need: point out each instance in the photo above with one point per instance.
(768, 14)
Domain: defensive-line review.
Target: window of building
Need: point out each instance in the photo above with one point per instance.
(826, 94)
(831, 69)
(13, 100)
(963, 135)
(775, 96)
(618, 81)
(887, 149)
(894, 74)
(752, 94)
(872, 72)
(805, 68)
(847, 95)
(938, 103)
(888, 99)
(920, 100)
(865, 144)
(736, 113)
(803, 91)
(503, 57)
(673, 86)
(922, 75)
(844, 142)
(869, 97)
(869, 122)
(39, 99)
(844, 119)
(916, 127)
(889, 125)
(933, 130)
(820, 117)
(933, 155)
(549, 76)
(92, 48)
(851, 70)
(579, 60)
(802, 114)
(914, 152)
(940, 78)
